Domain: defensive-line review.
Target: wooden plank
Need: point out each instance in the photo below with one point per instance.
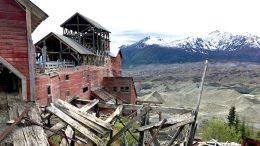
(58, 126)
(86, 115)
(89, 105)
(169, 122)
(10, 128)
(84, 121)
(114, 114)
(132, 107)
(125, 139)
(69, 133)
(30, 56)
(155, 140)
(36, 131)
(128, 126)
(144, 121)
(157, 131)
(175, 135)
(75, 125)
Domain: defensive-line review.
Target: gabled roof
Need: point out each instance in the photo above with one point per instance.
(86, 19)
(37, 15)
(69, 42)
(116, 53)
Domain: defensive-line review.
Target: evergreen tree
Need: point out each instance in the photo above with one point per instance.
(232, 116)
(237, 123)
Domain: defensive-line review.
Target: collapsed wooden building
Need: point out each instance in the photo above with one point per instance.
(72, 86)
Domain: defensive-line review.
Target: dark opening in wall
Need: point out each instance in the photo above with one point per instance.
(85, 89)
(67, 77)
(114, 89)
(49, 90)
(124, 89)
(67, 93)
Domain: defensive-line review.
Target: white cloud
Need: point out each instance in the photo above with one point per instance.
(170, 17)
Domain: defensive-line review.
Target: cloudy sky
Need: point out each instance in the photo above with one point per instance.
(132, 20)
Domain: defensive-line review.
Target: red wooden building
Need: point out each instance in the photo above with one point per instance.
(78, 63)
(18, 19)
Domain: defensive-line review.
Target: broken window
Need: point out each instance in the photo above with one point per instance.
(85, 89)
(114, 89)
(49, 90)
(67, 93)
(124, 89)
(67, 77)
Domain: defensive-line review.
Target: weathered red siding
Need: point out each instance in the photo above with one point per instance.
(118, 82)
(79, 78)
(116, 65)
(13, 37)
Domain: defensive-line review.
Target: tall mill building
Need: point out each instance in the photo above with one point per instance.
(59, 66)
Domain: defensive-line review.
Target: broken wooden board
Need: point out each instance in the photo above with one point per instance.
(170, 122)
(69, 133)
(86, 115)
(131, 107)
(76, 125)
(89, 105)
(58, 126)
(84, 121)
(28, 135)
(128, 125)
(117, 112)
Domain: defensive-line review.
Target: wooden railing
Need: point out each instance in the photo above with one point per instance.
(56, 64)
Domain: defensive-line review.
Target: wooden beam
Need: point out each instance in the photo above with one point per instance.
(74, 124)
(128, 126)
(83, 121)
(90, 105)
(114, 114)
(10, 128)
(30, 56)
(157, 131)
(132, 107)
(175, 135)
(170, 122)
(69, 133)
(58, 126)
(155, 140)
(86, 115)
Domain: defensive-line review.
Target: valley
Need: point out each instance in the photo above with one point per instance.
(226, 84)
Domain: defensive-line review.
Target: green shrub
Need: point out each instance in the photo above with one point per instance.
(221, 131)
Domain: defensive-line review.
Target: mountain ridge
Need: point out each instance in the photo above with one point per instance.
(216, 46)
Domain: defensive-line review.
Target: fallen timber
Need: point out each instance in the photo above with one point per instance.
(80, 126)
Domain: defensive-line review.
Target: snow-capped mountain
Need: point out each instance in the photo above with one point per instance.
(215, 40)
(216, 45)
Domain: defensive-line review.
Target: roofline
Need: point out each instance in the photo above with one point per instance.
(57, 37)
(77, 13)
(32, 6)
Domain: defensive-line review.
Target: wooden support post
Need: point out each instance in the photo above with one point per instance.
(30, 56)
(193, 126)
(157, 131)
(60, 53)
(144, 120)
(175, 135)
(44, 57)
(125, 139)
(128, 126)
(155, 140)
